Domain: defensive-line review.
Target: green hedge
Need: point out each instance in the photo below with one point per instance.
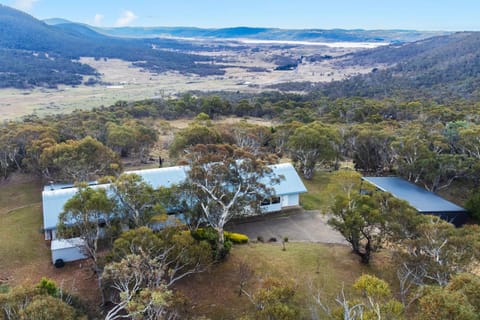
(236, 238)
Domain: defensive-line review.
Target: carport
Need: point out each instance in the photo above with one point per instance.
(423, 201)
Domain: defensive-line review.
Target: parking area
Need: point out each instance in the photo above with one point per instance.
(296, 224)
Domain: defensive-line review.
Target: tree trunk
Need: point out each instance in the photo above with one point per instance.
(220, 254)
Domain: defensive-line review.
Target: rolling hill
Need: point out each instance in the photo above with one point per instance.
(314, 35)
(33, 53)
(439, 67)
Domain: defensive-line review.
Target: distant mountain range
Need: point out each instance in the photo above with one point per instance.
(313, 35)
(33, 53)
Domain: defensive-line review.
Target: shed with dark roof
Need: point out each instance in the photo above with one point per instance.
(423, 201)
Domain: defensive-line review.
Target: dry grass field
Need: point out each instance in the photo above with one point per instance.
(122, 81)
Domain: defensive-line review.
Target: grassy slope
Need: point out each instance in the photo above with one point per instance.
(309, 266)
(19, 191)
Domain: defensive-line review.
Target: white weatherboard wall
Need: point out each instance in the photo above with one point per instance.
(290, 200)
(67, 250)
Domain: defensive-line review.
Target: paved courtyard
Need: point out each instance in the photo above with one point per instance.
(297, 225)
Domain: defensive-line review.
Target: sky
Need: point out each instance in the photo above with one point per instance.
(451, 15)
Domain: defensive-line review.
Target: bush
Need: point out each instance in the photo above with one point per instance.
(47, 286)
(236, 238)
(211, 236)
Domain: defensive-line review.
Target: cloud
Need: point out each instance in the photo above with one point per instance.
(25, 5)
(98, 19)
(126, 19)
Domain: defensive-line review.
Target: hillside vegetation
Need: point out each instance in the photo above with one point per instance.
(37, 54)
(439, 67)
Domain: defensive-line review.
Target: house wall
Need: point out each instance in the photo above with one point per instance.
(290, 200)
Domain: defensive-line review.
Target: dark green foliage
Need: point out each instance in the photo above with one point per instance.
(210, 235)
(473, 205)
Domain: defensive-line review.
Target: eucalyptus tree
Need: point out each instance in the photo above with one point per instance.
(313, 144)
(227, 182)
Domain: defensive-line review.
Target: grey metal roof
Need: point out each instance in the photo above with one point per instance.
(54, 200)
(419, 198)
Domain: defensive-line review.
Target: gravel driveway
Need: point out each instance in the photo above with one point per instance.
(296, 224)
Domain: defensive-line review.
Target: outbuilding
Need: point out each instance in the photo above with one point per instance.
(66, 250)
(422, 200)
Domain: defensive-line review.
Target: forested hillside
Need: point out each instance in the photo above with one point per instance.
(439, 67)
(51, 50)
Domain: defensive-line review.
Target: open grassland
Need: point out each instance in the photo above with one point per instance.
(19, 191)
(21, 239)
(251, 69)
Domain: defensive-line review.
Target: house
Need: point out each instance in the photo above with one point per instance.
(287, 191)
(423, 201)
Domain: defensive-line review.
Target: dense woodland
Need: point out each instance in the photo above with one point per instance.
(428, 143)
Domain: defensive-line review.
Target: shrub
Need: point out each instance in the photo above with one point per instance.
(260, 239)
(211, 236)
(236, 238)
(48, 286)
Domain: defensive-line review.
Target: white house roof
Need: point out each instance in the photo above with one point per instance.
(291, 182)
(54, 200)
(163, 177)
(59, 244)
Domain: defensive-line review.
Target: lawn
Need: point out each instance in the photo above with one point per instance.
(21, 242)
(310, 266)
(318, 196)
(24, 254)
(19, 190)
(325, 185)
